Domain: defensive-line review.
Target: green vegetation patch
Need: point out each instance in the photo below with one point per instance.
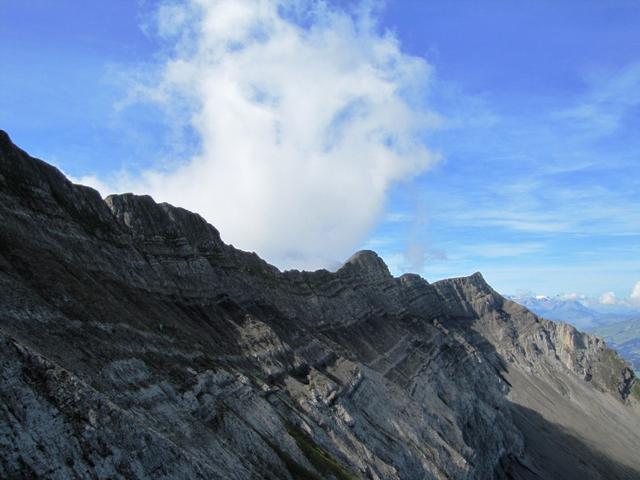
(297, 471)
(319, 458)
(608, 371)
(635, 390)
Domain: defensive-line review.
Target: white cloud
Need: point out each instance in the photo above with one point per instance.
(573, 296)
(306, 114)
(635, 293)
(608, 298)
(633, 301)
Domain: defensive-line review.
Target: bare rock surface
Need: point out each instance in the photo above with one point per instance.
(135, 343)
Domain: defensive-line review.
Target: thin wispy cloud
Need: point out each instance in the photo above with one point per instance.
(306, 114)
(500, 250)
(611, 96)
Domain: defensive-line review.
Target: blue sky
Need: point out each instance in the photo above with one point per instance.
(537, 105)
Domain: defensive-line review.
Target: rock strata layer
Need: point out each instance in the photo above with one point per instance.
(136, 344)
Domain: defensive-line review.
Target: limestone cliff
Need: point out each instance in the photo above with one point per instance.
(136, 344)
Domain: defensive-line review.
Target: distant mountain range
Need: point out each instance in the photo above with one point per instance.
(583, 312)
(554, 308)
(619, 325)
(624, 337)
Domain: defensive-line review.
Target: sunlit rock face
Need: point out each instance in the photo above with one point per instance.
(136, 344)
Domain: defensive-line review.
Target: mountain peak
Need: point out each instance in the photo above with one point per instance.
(146, 218)
(368, 263)
(4, 138)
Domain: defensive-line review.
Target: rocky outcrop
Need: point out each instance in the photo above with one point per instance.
(137, 344)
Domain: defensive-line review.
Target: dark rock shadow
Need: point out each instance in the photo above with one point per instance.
(550, 451)
(553, 453)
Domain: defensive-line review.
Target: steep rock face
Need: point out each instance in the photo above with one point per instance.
(137, 344)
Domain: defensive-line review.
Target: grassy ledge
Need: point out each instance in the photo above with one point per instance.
(319, 458)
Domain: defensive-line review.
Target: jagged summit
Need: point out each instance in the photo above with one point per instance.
(367, 263)
(145, 217)
(134, 343)
(4, 139)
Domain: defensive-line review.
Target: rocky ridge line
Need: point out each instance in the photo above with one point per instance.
(145, 347)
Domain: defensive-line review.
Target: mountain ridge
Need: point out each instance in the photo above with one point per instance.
(624, 336)
(146, 347)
